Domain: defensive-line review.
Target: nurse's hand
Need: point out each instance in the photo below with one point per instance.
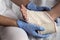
(31, 29)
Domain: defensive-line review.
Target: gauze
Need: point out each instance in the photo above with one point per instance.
(41, 19)
(44, 3)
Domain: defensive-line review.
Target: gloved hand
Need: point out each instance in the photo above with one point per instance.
(32, 6)
(31, 29)
(43, 8)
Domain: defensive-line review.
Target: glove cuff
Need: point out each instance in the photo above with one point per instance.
(20, 23)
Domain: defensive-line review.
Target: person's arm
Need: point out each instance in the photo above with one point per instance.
(55, 12)
(19, 2)
(5, 21)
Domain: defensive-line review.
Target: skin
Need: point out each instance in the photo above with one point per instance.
(55, 12)
(19, 2)
(4, 20)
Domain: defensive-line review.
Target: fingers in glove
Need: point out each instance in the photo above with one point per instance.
(35, 34)
(40, 28)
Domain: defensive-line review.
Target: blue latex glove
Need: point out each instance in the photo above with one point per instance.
(43, 8)
(32, 6)
(31, 29)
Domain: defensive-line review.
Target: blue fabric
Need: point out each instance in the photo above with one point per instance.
(32, 6)
(31, 29)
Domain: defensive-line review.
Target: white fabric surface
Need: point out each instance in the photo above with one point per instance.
(13, 33)
(9, 9)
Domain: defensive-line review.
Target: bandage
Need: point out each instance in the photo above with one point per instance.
(41, 19)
